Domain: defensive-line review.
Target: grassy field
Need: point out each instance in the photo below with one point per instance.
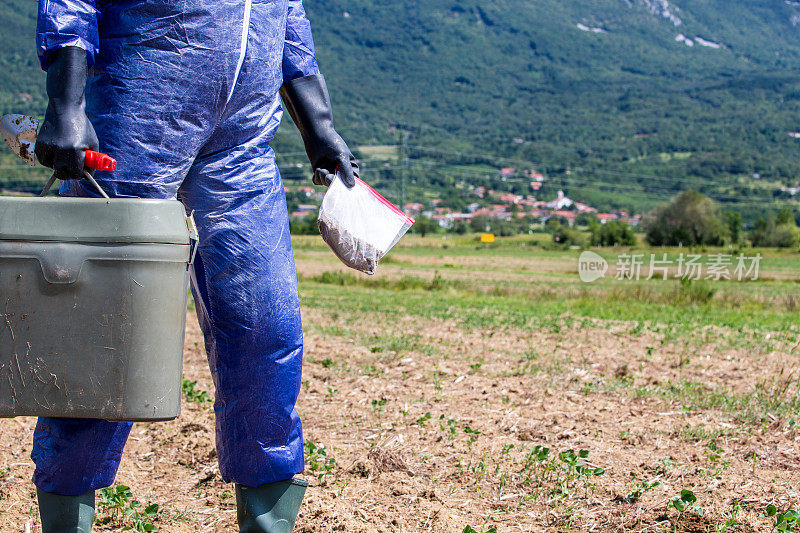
(467, 387)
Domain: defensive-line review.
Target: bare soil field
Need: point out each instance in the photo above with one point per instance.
(429, 405)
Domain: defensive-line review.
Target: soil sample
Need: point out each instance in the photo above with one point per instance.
(354, 252)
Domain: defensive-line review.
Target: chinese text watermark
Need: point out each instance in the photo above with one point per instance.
(632, 266)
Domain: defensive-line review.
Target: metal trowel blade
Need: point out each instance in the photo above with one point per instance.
(19, 133)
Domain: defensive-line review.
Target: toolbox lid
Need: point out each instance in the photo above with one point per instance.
(93, 220)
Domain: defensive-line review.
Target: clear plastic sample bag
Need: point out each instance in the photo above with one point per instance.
(360, 225)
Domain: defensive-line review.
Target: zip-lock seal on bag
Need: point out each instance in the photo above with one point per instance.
(360, 225)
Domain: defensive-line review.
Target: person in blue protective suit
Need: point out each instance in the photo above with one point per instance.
(185, 95)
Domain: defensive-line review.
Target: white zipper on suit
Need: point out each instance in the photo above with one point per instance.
(242, 47)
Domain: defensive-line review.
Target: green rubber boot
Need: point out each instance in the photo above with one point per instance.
(66, 514)
(270, 508)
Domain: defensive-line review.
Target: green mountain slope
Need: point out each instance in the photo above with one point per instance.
(20, 67)
(480, 75)
(603, 96)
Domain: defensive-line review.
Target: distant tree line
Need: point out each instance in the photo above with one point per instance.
(611, 233)
(693, 219)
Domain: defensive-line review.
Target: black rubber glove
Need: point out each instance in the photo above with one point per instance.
(66, 132)
(308, 103)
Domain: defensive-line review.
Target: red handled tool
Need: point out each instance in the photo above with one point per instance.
(19, 132)
(98, 161)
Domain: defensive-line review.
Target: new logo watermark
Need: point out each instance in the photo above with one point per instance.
(592, 266)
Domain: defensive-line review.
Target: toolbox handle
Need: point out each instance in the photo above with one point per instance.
(91, 159)
(85, 175)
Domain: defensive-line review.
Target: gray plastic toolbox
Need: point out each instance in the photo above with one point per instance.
(92, 307)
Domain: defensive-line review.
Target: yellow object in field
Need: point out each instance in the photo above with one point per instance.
(487, 237)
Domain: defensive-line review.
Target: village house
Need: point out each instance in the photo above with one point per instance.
(605, 217)
(583, 208)
(570, 216)
(561, 202)
(507, 172)
(480, 192)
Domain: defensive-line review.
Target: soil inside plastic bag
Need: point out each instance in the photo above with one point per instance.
(353, 251)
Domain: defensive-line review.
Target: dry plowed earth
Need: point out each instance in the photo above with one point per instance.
(421, 423)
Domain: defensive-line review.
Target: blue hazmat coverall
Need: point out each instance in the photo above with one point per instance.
(185, 96)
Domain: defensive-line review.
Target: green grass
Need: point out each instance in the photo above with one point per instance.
(387, 344)
(469, 308)
(512, 284)
(194, 394)
(405, 283)
(778, 396)
(769, 398)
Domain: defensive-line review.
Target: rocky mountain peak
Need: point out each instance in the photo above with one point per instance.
(660, 8)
